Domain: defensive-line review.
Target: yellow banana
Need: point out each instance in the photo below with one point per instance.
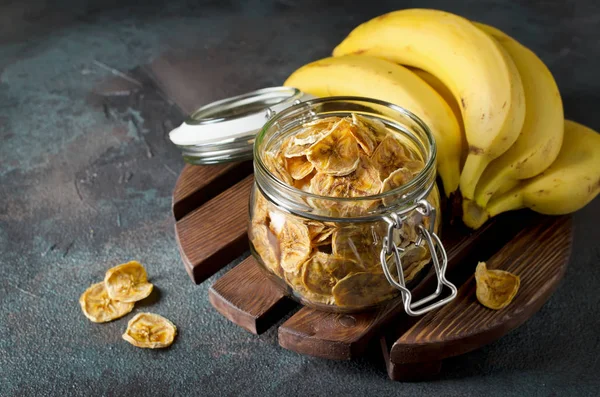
(541, 137)
(571, 181)
(446, 94)
(482, 77)
(380, 79)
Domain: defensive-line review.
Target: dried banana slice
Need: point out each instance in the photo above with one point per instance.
(127, 282)
(376, 128)
(261, 211)
(299, 167)
(304, 183)
(389, 156)
(276, 165)
(414, 259)
(99, 308)
(336, 153)
(363, 135)
(266, 246)
(317, 273)
(362, 289)
(364, 181)
(356, 244)
(148, 330)
(396, 179)
(295, 245)
(495, 288)
(414, 166)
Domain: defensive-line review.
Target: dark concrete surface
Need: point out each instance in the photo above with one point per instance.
(86, 177)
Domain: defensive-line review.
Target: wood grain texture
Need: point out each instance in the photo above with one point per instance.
(214, 234)
(317, 333)
(246, 297)
(198, 184)
(408, 372)
(539, 255)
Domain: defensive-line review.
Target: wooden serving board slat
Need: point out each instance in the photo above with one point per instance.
(197, 185)
(214, 234)
(246, 297)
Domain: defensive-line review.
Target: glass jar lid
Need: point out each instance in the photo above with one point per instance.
(224, 130)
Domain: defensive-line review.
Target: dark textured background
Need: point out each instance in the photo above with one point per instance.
(86, 175)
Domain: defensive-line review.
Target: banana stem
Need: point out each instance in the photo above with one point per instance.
(474, 167)
(509, 201)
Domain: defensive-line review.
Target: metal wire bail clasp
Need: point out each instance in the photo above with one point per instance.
(395, 221)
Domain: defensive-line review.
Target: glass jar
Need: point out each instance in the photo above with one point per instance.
(374, 250)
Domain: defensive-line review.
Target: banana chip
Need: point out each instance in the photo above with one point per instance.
(304, 183)
(266, 246)
(413, 260)
(389, 156)
(495, 288)
(99, 307)
(336, 153)
(362, 289)
(396, 179)
(356, 244)
(364, 181)
(276, 164)
(299, 167)
(320, 234)
(127, 282)
(295, 245)
(261, 211)
(317, 273)
(365, 138)
(375, 127)
(148, 330)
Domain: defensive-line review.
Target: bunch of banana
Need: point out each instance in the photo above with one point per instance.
(493, 106)
(571, 181)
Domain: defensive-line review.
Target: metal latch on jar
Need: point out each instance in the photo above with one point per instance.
(395, 221)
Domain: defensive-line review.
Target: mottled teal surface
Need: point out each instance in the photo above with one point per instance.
(86, 181)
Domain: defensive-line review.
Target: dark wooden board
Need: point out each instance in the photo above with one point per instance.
(212, 232)
(539, 255)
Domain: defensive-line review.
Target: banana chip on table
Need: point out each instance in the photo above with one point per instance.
(127, 282)
(295, 245)
(148, 330)
(336, 153)
(361, 289)
(99, 307)
(495, 288)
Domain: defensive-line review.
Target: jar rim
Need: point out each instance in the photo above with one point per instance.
(419, 179)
